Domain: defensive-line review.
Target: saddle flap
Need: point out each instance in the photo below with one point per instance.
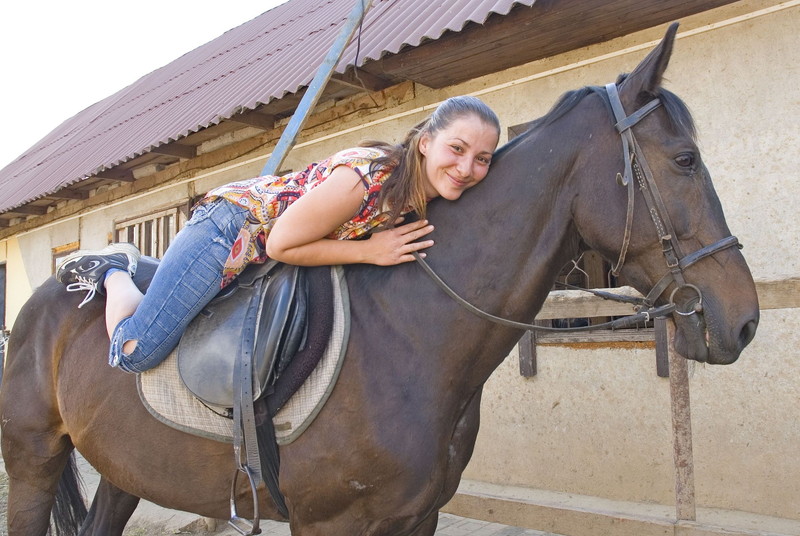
(215, 339)
(280, 323)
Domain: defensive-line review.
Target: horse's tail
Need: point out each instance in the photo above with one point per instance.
(69, 509)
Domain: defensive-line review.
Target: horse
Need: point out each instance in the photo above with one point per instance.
(388, 449)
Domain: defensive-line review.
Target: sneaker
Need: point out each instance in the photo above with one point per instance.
(86, 270)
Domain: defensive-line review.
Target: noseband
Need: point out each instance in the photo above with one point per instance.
(635, 168)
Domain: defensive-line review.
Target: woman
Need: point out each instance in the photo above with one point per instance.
(305, 218)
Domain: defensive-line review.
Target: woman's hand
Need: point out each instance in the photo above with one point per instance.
(299, 234)
(396, 245)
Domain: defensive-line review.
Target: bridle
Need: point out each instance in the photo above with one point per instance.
(635, 168)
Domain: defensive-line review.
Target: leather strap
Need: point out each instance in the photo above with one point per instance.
(620, 323)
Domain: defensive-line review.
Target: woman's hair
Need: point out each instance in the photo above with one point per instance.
(405, 187)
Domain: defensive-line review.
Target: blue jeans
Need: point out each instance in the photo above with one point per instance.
(188, 277)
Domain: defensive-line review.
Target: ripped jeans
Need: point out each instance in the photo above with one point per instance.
(188, 277)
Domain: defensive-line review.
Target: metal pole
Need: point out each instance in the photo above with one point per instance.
(314, 90)
(681, 430)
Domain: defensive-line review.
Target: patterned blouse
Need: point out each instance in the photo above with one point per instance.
(267, 197)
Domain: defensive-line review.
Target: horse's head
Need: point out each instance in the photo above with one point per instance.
(663, 215)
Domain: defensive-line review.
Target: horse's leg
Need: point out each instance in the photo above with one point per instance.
(111, 509)
(34, 470)
(428, 525)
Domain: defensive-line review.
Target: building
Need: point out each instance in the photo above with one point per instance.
(584, 446)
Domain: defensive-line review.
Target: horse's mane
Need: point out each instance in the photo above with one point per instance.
(680, 119)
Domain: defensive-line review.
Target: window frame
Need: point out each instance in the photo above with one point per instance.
(58, 253)
(152, 232)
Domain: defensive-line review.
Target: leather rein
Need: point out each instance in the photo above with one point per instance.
(635, 168)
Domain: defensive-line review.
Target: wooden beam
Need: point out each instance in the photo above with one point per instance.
(255, 119)
(66, 193)
(173, 149)
(783, 294)
(527, 34)
(580, 304)
(361, 80)
(527, 355)
(116, 175)
(30, 210)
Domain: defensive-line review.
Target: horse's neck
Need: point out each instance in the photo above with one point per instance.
(500, 247)
(505, 241)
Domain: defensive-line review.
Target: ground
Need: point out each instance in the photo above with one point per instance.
(3, 503)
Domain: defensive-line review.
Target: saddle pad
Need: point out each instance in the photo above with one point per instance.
(166, 398)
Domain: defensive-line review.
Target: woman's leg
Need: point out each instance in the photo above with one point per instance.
(123, 299)
(187, 278)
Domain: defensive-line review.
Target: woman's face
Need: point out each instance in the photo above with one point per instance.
(457, 157)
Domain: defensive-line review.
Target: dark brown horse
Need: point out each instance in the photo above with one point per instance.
(388, 449)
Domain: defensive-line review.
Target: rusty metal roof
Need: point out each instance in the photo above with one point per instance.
(273, 55)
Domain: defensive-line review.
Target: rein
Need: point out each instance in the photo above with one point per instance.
(635, 167)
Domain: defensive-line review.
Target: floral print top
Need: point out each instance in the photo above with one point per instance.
(267, 197)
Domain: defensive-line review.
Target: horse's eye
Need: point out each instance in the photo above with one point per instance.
(685, 160)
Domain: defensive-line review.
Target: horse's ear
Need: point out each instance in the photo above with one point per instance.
(647, 76)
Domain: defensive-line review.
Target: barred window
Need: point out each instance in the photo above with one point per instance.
(154, 232)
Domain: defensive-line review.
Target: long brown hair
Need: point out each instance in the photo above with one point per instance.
(405, 187)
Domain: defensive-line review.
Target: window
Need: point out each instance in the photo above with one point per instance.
(591, 271)
(60, 252)
(154, 232)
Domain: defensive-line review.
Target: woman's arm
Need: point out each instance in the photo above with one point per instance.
(298, 236)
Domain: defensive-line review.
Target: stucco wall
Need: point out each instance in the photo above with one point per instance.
(597, 422)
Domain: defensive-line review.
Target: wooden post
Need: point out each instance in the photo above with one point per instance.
(314, 90)
(527, 355)
(681, 430)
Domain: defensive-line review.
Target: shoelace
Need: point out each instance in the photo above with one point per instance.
(83, 283)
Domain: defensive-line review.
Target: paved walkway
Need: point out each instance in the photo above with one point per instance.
(449, 525)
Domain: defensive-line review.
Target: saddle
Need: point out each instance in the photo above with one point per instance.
(247, 353)
(263, 313)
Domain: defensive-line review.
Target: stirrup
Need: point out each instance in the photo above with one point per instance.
(243, 526)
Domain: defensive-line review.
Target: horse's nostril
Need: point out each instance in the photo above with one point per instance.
(747, 333)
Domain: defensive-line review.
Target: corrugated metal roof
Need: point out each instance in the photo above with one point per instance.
(275, 54)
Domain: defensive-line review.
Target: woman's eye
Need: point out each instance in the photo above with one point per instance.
(457, 148)
(685, 160)
(483, 160)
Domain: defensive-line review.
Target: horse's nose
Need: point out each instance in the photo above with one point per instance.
(747, 333)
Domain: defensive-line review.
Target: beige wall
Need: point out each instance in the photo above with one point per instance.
(596, 422)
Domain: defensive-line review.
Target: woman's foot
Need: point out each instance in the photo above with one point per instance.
(86, 270)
